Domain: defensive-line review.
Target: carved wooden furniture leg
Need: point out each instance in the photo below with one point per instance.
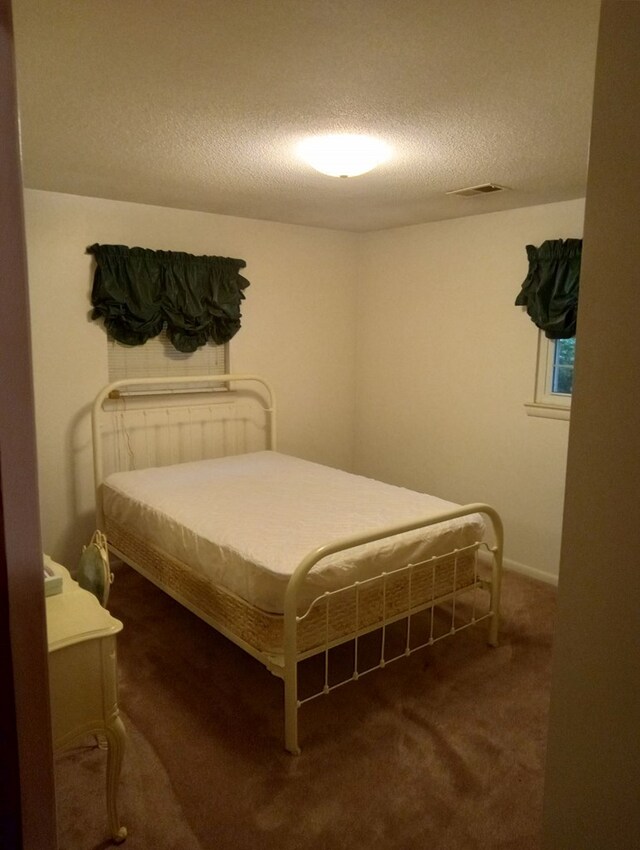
(116, 738)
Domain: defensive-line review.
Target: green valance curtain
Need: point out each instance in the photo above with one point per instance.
(138, 292)
(550, 290)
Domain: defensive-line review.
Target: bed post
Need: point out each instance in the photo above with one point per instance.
(496, 574)
(290, 676)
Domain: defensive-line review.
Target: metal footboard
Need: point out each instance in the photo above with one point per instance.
(293, 619)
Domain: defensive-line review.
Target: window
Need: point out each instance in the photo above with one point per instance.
(561, 381)
(554, 378)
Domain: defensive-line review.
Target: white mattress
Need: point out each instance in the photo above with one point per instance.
(247, 521)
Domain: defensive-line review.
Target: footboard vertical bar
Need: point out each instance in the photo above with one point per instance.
(407, 649)
(384, 619)
(475, 586)
(433, 596)
(327, 599)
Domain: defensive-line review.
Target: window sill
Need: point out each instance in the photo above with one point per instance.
(548, 411)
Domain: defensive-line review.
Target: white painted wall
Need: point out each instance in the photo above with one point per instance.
(298, 321)
(445, 363)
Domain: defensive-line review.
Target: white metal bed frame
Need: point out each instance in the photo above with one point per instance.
(285, 665)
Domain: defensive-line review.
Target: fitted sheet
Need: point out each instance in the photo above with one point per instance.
(246, 522)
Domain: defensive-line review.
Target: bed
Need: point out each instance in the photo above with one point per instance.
(287, 558)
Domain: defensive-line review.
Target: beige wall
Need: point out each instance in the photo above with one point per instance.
(298, 322)
(593, 763)
(445, 363)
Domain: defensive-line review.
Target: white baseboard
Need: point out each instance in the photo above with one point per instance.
(517, 567)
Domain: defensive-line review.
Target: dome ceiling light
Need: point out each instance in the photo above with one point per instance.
(343, 154)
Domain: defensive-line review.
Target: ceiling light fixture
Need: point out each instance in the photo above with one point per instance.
(343, 154)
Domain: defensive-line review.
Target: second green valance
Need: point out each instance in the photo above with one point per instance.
(138, 292)
(550, 290)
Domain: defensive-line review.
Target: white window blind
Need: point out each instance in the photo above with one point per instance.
(157, 358)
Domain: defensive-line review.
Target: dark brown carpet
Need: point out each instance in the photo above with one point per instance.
(443, 750)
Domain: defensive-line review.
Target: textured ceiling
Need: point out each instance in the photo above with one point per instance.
(198, 104)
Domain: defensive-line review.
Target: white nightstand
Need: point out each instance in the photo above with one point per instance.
(83, 678)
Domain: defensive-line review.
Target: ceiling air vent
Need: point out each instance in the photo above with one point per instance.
(482, 189)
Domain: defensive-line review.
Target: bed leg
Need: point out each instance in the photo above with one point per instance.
(496, 583)
(494, 626)
(291, 710)
(290, 647)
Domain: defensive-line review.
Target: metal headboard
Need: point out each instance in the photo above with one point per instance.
(217, 388)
